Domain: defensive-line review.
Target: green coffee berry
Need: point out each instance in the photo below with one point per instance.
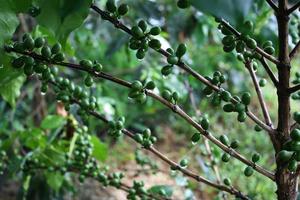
(111, 6)
(175, 96)
(207, 91)
(242, 117)
(251, 43)
(136, 86)
(137, 32)
(97, 67)
(123, 9)
(141, 98)
(166, 94)
(248, 171)
(229, 48)
(18, 62)
(150, 85)
(140, 54)
(166, 70)
(155, 44)
(297, 156)
(240, 47)
(183, 163)
(88, 81)
(204, 123)
(226, 96)
(225, 157)
(86, 63)
(224, 139)
(248, 25)
(284, 155)
(56, 48)
(39, 42)
(181, 50)
(143, 25)
(28, 43)
(172, 60)
(196, 137)
(239, 107)
(269, 50)
(268, 43)
(262, 82)
(46, 52)
(255, 157)
(138, 137)
(59, 57)
(292, 165)
(296, 117)
(229, 107)
(34, 11)
(295, 134)
(257, 128)
(183, 4)
(227, 181)
(246, 98)
(234, 144)
(228, 40)
(155, 30)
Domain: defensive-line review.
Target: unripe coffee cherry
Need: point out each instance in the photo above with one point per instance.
(86, 63)
(46, 52)
(172, 60)
(262, 82)
(136, 86)
(111, 6)
(155, 44)
(248, 171)
(224, 139)
(56, 48)
(196, 137)
(295, 134)
(137, 32)
(143, 25)
(155, 30)
(225, 157)
(183, 4)
(183, 163)
(246, 98)
(39, 42)
(123, 9)
(181, 50)
(255, 157)
(204, 123)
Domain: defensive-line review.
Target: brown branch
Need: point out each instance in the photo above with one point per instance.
(259, 94)
(175, 165)
(175, 108)
(295, 50)
(293, 8)
(269, 71)
(294, 89)
(272, 5)
(184, 66)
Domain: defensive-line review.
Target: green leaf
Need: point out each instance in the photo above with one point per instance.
(20, 6)
(168, 190)
(61, 17)
(52, 122)
(100, 149)
(54, 180)
(11, 81)
(234, 11)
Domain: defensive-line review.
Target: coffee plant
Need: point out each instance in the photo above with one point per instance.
(42, 43)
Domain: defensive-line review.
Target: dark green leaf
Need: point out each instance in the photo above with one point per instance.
(52, 122)
(100, 149)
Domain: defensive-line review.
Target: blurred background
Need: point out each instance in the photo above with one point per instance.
(99, 40)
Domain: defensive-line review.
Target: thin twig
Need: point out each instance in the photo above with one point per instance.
(272, 5)
(175, 108)
(294, 89)
(259, 94)
(293, 8)
(269, 71)
(295, 50)
(184, 66)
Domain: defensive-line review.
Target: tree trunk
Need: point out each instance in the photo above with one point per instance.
(286, 184)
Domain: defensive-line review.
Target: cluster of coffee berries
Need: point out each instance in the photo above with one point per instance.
(144, 161)
(234, 145)
(239, 106)
(173, 58)
(291, 151)
(172, 97)
(91, 66)
(142, 39)
(115, 127)
(137, 90)
(137, 189)
(268, 47)
(115, 11)
(183, 4)
(146, 139)
(294, 28)
(217, 79)
(3, 160)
